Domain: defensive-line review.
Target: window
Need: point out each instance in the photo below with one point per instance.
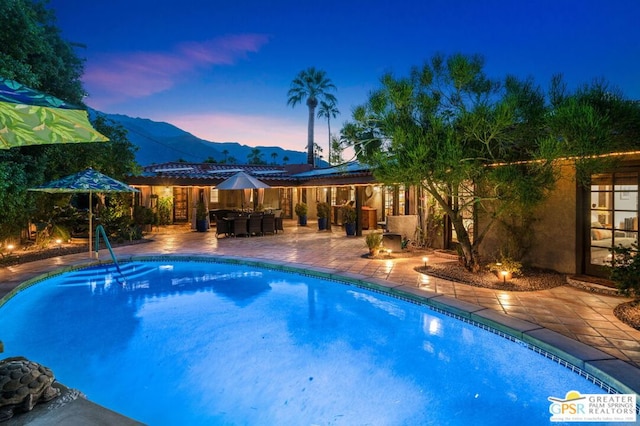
(614, 214)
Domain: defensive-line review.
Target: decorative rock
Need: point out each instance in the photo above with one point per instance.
(23, 384)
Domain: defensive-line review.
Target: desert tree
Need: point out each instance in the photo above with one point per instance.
(443, 128)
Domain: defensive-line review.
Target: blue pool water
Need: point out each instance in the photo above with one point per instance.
(196, 343)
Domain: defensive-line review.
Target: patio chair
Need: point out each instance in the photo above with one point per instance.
(268, 224)
(278, 221)
(223, 226)
(240, 226)
(255, 224)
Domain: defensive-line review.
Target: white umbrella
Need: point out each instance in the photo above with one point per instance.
(242, 180)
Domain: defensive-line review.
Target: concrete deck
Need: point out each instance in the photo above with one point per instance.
(572, 324)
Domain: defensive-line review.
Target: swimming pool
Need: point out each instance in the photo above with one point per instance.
(217, 343)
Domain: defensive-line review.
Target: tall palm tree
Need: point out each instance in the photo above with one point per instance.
(313, 85)
(328, 110)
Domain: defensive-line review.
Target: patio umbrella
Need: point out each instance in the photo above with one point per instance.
(29, 117)
(86, 181)
(244, 181)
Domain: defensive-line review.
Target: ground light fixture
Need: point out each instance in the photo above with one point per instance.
(425, 260)
(504, 276)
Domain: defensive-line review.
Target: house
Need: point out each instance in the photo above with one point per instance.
(184, 184)
(576, 226)
(573, 231)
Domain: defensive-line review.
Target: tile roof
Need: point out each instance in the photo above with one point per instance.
(179, 173)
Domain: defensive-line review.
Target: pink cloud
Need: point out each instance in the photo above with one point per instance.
(117, 78)
(224, 50)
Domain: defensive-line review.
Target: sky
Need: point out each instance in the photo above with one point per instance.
(221, 69)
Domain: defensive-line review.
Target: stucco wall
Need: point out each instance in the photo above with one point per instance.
(554, 232)
(404, 225)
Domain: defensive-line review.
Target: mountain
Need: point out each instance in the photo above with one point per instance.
(160, 142)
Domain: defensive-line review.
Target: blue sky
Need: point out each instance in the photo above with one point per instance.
(221, 69)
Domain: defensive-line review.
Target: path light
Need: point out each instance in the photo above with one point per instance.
(504, 276)
(425, 260)
(10, 247)
(389, 252)
(59, 242)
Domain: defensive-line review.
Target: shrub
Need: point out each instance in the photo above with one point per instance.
(323, 209)
(201, 211)
(507, 264)
(348, 214)
(373, 240)
(301, 209)
(625, 270)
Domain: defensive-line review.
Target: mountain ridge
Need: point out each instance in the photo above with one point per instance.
(161, 142)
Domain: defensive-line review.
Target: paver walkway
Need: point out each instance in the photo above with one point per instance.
(577, 314)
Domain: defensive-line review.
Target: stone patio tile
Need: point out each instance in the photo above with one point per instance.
(571, 350)
(618, 373)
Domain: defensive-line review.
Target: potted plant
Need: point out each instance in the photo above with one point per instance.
(349, 217)
(301, 210)
(323, 210)
(374, 242)
(202, 214)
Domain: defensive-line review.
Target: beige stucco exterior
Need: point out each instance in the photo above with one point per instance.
(554, 230)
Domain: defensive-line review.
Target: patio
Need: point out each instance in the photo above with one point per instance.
(579, 315)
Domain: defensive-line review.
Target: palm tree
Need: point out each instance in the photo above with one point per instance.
(255, 157)
(313, 85)
(328, 110)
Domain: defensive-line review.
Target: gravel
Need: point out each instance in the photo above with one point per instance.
(629, 313)
(530, 280)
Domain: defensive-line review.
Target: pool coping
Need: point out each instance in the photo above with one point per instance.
(609, 373)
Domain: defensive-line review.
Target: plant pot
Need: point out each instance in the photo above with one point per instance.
(302, 220)
(202, 225)
(322, 223)
(350, 228)
(373, 252)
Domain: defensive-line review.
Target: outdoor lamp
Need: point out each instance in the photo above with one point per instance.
(425, 260)
(59, 242)
(10, 247)
(504, 276)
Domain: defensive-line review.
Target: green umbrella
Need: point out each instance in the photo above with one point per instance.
(86, 181)
(29, 117)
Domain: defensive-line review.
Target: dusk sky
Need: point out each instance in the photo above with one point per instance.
(221, 69)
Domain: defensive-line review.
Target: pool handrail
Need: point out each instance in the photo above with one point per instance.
(100, 230)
